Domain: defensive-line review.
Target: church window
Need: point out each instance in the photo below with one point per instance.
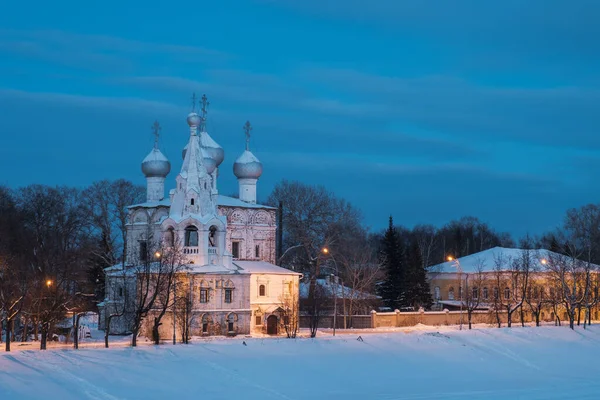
(536, 292)
(192, 202)
(475, 293)
(451, 293)
(258, 320)
(231, 323)
(262, 290)
(203, 295)
(191, 236)
(485, 293)
(496, 294)
(212, 236)
(228, 295)
(120, 291)
(436, 291)
(143, 250)
(506, 293)
(170, 237)
(205, 321)
(257, 251)
(235, 249)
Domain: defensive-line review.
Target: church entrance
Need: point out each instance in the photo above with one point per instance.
(272, 325)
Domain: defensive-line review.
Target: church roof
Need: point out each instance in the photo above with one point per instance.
(225, 201)
(262, 267)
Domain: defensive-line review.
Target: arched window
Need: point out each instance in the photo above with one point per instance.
(228, 291)
(451, 293)
(536, 292)
(506, 293)
(475, 293)
(262, 290)
(205, 322)
(170, 237)
(212, 236)
(231, 318)
(485, 293)
(191, 236)
(496, 293)
(192, 202)
(436, 292)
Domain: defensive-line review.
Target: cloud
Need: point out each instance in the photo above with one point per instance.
(123, 104)
(559, 116)
(99, 52)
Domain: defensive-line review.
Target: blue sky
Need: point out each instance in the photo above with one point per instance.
(427, 110)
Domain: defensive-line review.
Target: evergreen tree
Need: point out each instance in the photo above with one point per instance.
(391, 258)
(417, 292)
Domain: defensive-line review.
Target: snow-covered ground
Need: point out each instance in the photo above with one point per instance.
(423, 363)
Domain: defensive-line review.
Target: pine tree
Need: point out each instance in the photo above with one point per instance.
(391, 259)
(417, 289)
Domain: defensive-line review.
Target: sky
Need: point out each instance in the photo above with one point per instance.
(425, 110)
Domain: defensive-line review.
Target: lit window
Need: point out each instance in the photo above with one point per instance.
(228, 295)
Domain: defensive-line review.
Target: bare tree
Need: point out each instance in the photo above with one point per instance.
(473, 295)
(171, 263)
(289, 303)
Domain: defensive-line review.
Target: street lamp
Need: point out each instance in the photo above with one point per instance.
(460, 288)
(49, 283)
(335, 284)
(157, 254)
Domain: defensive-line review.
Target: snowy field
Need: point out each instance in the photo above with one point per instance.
(517, 363)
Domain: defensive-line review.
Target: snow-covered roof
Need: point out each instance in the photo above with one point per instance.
(262, 267)
(238, 267)
(340, 290)
(225, 201)
(487, 259)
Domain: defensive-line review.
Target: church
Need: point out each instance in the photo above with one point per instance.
(227, 243)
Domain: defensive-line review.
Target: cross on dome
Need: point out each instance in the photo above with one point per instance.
(194, 102)
(204, 111)
(247, 129)
(156, 132)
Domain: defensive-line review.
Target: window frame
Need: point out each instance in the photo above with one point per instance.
(228, 295)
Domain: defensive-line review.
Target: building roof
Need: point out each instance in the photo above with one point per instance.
(225, 201)
(341, 291)
(238, 267)
(262, 267)
(488, 260)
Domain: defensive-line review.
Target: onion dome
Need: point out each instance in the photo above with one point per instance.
(247, 166)
(212, 148)
(193, 119)
(156, 164)
(209, 163)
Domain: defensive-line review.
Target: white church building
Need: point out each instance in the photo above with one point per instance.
(228, 243)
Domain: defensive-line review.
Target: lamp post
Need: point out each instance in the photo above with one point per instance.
(336, 277)
(460, 288)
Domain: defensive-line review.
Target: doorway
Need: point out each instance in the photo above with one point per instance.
(272, 325)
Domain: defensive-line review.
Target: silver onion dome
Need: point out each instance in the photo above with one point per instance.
(212, 148)
(156, 165)
(209, 163)
(193, 119)
(247, 166)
